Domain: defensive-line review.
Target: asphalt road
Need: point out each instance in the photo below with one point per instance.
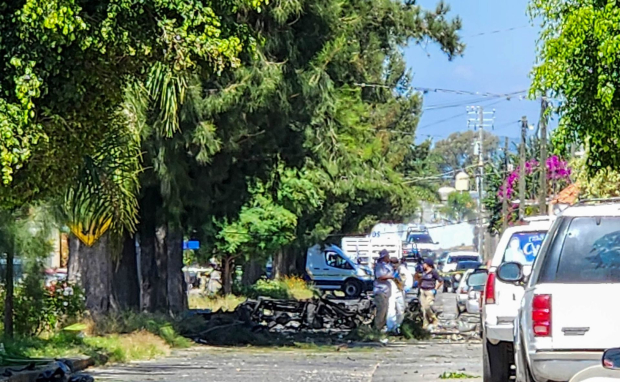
(402, 362)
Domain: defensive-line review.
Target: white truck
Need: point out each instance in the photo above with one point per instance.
(419, 240)
(500, 300)
(330, 268)
(365, 250)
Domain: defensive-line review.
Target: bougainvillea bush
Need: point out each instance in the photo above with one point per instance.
(558, 176)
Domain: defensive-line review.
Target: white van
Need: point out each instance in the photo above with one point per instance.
(331, 269)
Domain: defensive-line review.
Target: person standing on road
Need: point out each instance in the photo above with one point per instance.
(430, 281)
(382, 289)
(404, 282)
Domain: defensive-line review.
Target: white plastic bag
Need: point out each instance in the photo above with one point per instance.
(392, 317)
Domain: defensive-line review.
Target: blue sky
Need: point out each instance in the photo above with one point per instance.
(493, 62)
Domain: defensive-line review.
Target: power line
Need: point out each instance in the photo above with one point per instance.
(497, 31)
(451, 91)
(454, 116)
(468, 92)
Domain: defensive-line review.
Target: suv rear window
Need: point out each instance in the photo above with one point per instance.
(478, 278)
(585, 250)
(523, 247)
(463, 265)
(458, 259)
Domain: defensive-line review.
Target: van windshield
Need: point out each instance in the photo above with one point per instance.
(591, 251)
(523, 247)
(420, 238)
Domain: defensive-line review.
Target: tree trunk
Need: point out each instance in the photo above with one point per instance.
(125, 282)
(252, 271)
(8, 299)
(176, 288)
(96, 271)
(228, 264)
(73, 265)
(163, 286)
(160, 287)
(148, 268)
(285, 262)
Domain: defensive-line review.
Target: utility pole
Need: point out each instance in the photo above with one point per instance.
(479, 122)
(522, 168)
(505, 196)
(542, 195)
(481, 182)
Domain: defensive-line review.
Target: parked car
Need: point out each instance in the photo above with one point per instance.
(607, 371)
(472, 281)
(476, 282)
(332, 269)
(452, 275)
(568, 315)
(500, 300)
(453, 280)
(456, 257)
(441, 260)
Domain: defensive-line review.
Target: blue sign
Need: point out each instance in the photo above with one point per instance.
(528, 246)
(192, 244)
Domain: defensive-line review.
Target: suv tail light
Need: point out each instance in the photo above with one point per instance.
(541, 315)
(489, 289)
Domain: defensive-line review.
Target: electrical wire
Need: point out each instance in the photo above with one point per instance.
(454, 116)
(497, 31)
(451, 91)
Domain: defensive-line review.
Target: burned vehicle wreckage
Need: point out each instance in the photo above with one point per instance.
(314, 314)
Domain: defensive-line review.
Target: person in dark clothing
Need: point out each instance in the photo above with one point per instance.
(430, 281)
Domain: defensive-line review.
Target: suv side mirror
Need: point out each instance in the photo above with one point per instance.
(611, 359)
(510, 272)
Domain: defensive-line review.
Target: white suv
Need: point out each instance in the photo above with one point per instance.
(500, 300)
(569, 313)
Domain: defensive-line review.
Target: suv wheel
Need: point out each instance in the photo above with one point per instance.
(352, 288)
(496, 361)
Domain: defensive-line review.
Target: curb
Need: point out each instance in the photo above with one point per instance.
(77, 365)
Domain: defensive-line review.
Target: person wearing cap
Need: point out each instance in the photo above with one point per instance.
(382, 289)
(430, 281)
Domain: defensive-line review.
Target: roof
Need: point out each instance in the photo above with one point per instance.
(568, 195)
(604, 209)
(463, 253)
(533, 226)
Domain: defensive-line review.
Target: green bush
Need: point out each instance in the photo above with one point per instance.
(38, 309)
(286, 288)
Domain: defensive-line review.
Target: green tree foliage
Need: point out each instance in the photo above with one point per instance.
(604, 183)
(66, 64)
(578, 61)
(456, 152)
(459, 207)
(324, 116)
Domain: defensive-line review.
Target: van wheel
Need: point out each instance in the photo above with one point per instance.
(352, 288)
(496, 362)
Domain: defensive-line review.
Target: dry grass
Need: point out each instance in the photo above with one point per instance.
(225, 303)
(297, 288)
(127, 347)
